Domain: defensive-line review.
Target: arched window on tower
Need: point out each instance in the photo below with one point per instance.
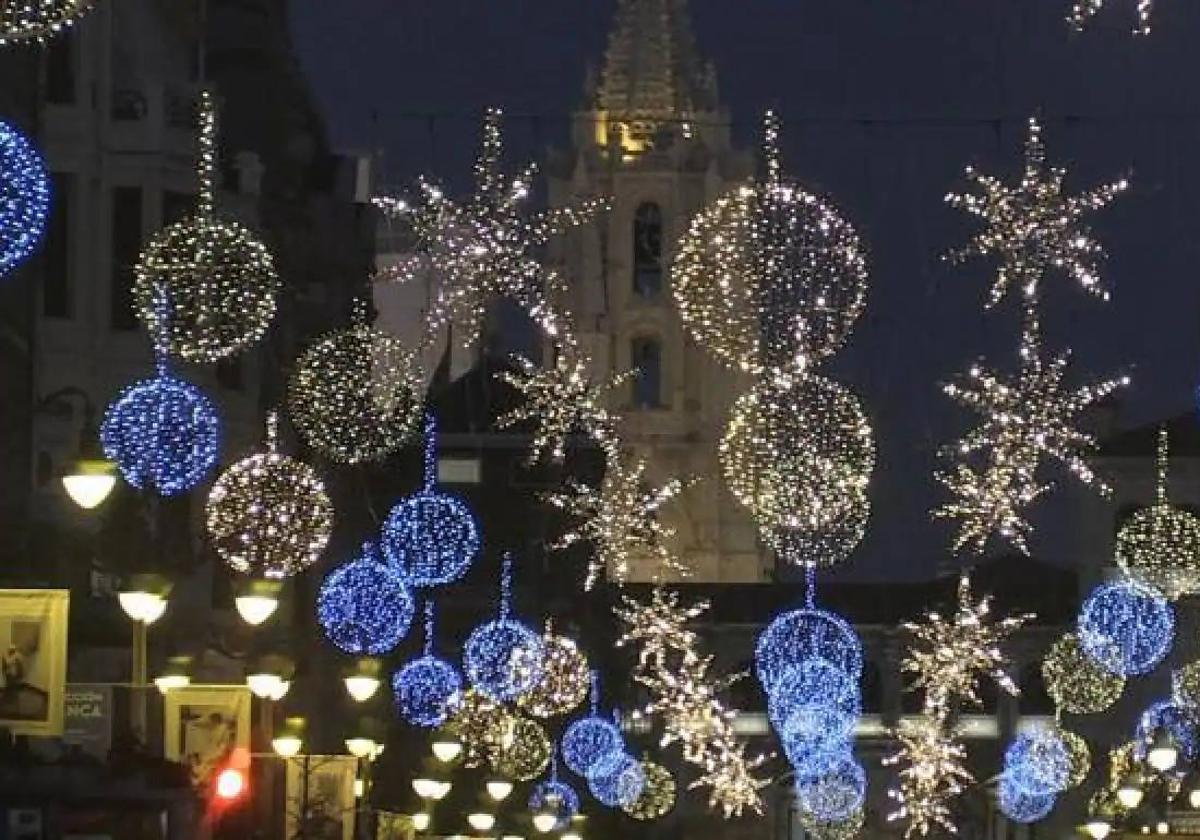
(645, 357)
(647, 251)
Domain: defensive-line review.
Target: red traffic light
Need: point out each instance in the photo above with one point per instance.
(230, 784)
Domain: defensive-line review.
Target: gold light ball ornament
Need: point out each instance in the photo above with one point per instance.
(1075, 682)
(658, 794)
(526, 754)
(1079, 755)
(565, 681)
(798, 455)
(481, 725)
(827, 545)
(846, 829)
(1185, 685)
(355, 395)
(268, 515)
(38, 20)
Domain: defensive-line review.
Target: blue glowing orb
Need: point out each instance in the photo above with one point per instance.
(426, 691)
(592, 745)
(559, 797)
(503, 659)
(364, 606)
(431, 537)
(813, 685)
(24, 198)
(1126, 627)
(834, 794)
(802, 635)
(163, 433)
(814, 757)
(620, 783)
(1019, 805)
(1039, 762)
(1179, 721)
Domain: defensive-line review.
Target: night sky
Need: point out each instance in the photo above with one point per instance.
(884, 102)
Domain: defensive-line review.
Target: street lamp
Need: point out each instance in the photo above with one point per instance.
(446, 746)
(362, 680)
(271, 678)
(90, 477)
(421, 820)
(289, 739)
(1099, 822)
(1194, 790)
(1130, 793)
(257, 600)
(498, 788)
(175, 674)
(545, 819)
(428, 783)
(481, 820)
(1163, 752)
(144, 599)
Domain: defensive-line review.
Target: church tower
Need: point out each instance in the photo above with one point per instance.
(654, 138)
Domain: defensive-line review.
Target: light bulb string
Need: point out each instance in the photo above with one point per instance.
(506, 564)
(429, 472)
(429, 628)
(810, 585)
(1160, 489)
(272, 431)
(595, 693)
(554, 766)
(160, 336)
(774, 169)
(206, 161)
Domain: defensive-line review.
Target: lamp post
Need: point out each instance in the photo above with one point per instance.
(144, 600)
(89, 477)
(257, 599)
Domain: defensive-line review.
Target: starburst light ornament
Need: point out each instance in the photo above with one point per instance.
(24, 194)
(1075, 682)
(268, 515)
(502, 658)
(1084, 10)
(427, 689)
(932, 774)
(565, 678)
(486, 247)
(25, 21)
(220, 278)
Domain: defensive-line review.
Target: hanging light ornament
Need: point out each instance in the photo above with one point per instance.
(1185, 685)
(846, 829)
(658, 794)
(220, 278)
(24, 188)
(503, 657)
(591, 744)
(526, 755)
(826, 545)
(481, 725)
(806, 635)
(557, 796)
(431, 537)
(1021, 806)
(1038, 762)
(268, 515)
(815, 701)
(1179, 721)
(1079, 755)
(355, 395)
(364, 607)
(565, 678)
(834, 794)
(427, 689)
(770, 278)
(1084, 10)
(620, 783)
(24, 21)
(1075, 682)
(485, 248)
(1159, 545)
(1127, 628)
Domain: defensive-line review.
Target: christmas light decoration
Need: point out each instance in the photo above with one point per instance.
(846, 829)
(1084, 10)
(835, 794)
(620, 519)
(1159, 545)
(486, 247)
(268, 515)
(1075, 682)
(481, 725)
(24, 184)
(564, 681)
(431, 537)
(770, 278)
(561, 401)
(364, 607)
(427, 689)
(932, 776)
(1021, 806)
(355, 394)
(1079, 754)
(811, 685)
(38, 20)
(826, 545)
(658, 794)
(163, 433)
(1038, 762)
(526, 755)
(619, 783)
(1127, 628)
(221, 279)
(557, 796)
(1179, 721)
(803, 635)
(798, 456)
(591, 744)
(1185, 685)
(502, 657)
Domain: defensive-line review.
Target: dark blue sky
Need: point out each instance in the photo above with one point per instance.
(884, 102)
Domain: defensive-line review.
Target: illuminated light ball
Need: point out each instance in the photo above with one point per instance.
(24, 183)
(846, 829)
(558, 796)
(1021, 806)
(526, 754)
(1080, 755)
(824, 546)
(38, 20)
(431, 537)
(836, 793)
(565, 680)
(1180, 723)
(798, 456)
(821, 728)
(804, 635)
(503, 659)
(592, 745)
(220, 280)
(355, 395)
(1039, 762)
(481, 725)
(1185, 685)
(814, 685)
(268, 515)
(163, 433)
(1076, 682)
(426, 691)
(620, 783)
(364, 606)
(657, 798)
(1158, 545)
(1126, 627)
(813, 757)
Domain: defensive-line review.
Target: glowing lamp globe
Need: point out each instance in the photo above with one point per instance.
(1173, 720)
(364, 606)
(835, 794)
(24, 196)
(146, 607)
(804, 635)
(1127, 628)
(592, 745)
(1021, 806)
(90, 481)
(231, 783)
(1039, 762)
(426, 690)
(620, 783)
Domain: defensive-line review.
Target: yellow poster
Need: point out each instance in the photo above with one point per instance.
(204, 724)
(320, 797)
(33, 660)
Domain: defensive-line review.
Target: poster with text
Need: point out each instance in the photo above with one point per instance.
(33, 660)
(320, 797)
(204, 724)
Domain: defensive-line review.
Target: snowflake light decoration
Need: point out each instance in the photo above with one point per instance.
(24, 191)
(932, 775)
(427, 689)
(1084, 10)
(364, 607)
(25, 21)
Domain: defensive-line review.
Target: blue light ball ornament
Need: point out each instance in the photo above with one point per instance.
(592, 745)
(836, 793)
(1021, 806)
(558, 796)
(1039, 762)
(802, 635)
(431, 537)
(364, 606)
(1127, 628)
(619, 783)
(427, 689)
(163, 433)
(1179, 721)
(813, 757)
(503, 657)
(812, 686)
(24, 198)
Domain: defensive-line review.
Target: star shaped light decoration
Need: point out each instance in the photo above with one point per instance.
(485, 247)
(1032, 227)
(620, 519)
(561, 400)
(1084, 10)
(932, 776)
(991, 500)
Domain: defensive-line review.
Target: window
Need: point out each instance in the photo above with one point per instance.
(60, 69)
(645, 356)
(126, 243)
(647, 251)
(56, 279)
